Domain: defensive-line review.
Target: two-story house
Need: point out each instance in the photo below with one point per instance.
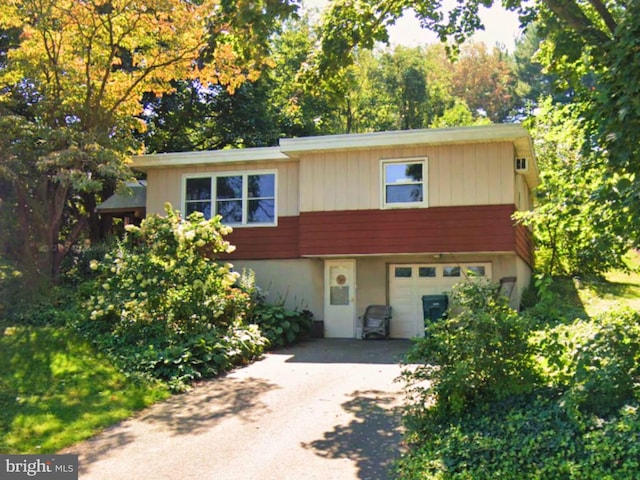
(336, 223)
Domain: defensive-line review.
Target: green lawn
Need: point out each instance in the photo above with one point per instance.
(617, 289)
(55, 390)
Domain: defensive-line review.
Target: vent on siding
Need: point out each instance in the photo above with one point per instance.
(522, 165)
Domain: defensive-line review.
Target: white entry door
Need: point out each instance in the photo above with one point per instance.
(339, 298)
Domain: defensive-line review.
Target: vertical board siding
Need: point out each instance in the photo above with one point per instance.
(165, 184)
(470, 174)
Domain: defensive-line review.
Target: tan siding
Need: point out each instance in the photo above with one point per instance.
(507, 169)
(368, 184)
(341, 186)
(331, 173)
(165, 184)
(352, 180)
(480, 174)
(494, 165)
(288, 192)
(162, 186)
(523, 195)
(477, 174)
(469, 175)
(483, 173)
(440, 191)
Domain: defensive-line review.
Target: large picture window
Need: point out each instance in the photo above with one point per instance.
(241, 199)
(404, 183)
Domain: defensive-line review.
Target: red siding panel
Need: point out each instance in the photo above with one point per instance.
(441, 229)
(361, 232)
(266, 242)
(524, 244)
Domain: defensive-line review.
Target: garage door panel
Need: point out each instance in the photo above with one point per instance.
(409, 282)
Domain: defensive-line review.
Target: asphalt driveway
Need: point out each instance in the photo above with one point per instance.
(324, 409)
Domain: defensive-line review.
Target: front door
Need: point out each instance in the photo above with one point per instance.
(339, 298)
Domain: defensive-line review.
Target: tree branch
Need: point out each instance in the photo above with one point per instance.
(569, 12)
(605, 14)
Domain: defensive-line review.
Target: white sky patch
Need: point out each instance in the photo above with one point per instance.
(501, 27)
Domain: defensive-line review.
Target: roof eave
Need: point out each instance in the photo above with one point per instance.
(438, 136)
(207, 157)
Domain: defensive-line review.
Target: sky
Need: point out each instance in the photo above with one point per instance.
(500, 27)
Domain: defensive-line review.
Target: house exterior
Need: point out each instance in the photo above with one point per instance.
(337, 223)
(128, 205)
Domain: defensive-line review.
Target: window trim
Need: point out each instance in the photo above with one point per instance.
(383, 182)
(245, 174)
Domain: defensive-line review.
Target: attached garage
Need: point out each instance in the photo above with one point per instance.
(409, 282)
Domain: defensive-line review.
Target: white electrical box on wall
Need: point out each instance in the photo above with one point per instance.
(522, 165)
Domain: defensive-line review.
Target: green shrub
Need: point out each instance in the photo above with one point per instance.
(526, 437)
(23, 302)
(76, 267)
(479, 353)
(280, 325)
(550, 301)
(58, 307)
(163, 305)
(581, 419)
(180, 360)
(163, 273)
(605, 373)
(9, 283)
(595, 362)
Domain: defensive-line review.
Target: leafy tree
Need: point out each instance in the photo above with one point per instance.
(486, 81)
(302, 111)
(405, 81)
(534, 83)
(195, 117)
(457, 115)
(576, 231)
(71, 79)
(258, 113)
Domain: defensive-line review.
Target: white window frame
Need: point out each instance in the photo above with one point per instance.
(383, 183)
(245, 174)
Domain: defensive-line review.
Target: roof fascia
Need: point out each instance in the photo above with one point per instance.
(436, 136)
(207, 157)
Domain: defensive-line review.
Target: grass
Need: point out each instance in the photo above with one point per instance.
(55, 390)
(617, 289)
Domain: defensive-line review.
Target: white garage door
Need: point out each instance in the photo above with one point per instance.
(408, 283)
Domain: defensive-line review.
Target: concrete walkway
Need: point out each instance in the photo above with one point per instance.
(324, 409)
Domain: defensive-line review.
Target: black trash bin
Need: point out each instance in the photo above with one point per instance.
(434, 307)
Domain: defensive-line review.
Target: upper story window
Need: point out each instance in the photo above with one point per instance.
(404, 183)
(240, 198)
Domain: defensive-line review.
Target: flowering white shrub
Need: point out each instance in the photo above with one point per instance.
(162, 293)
